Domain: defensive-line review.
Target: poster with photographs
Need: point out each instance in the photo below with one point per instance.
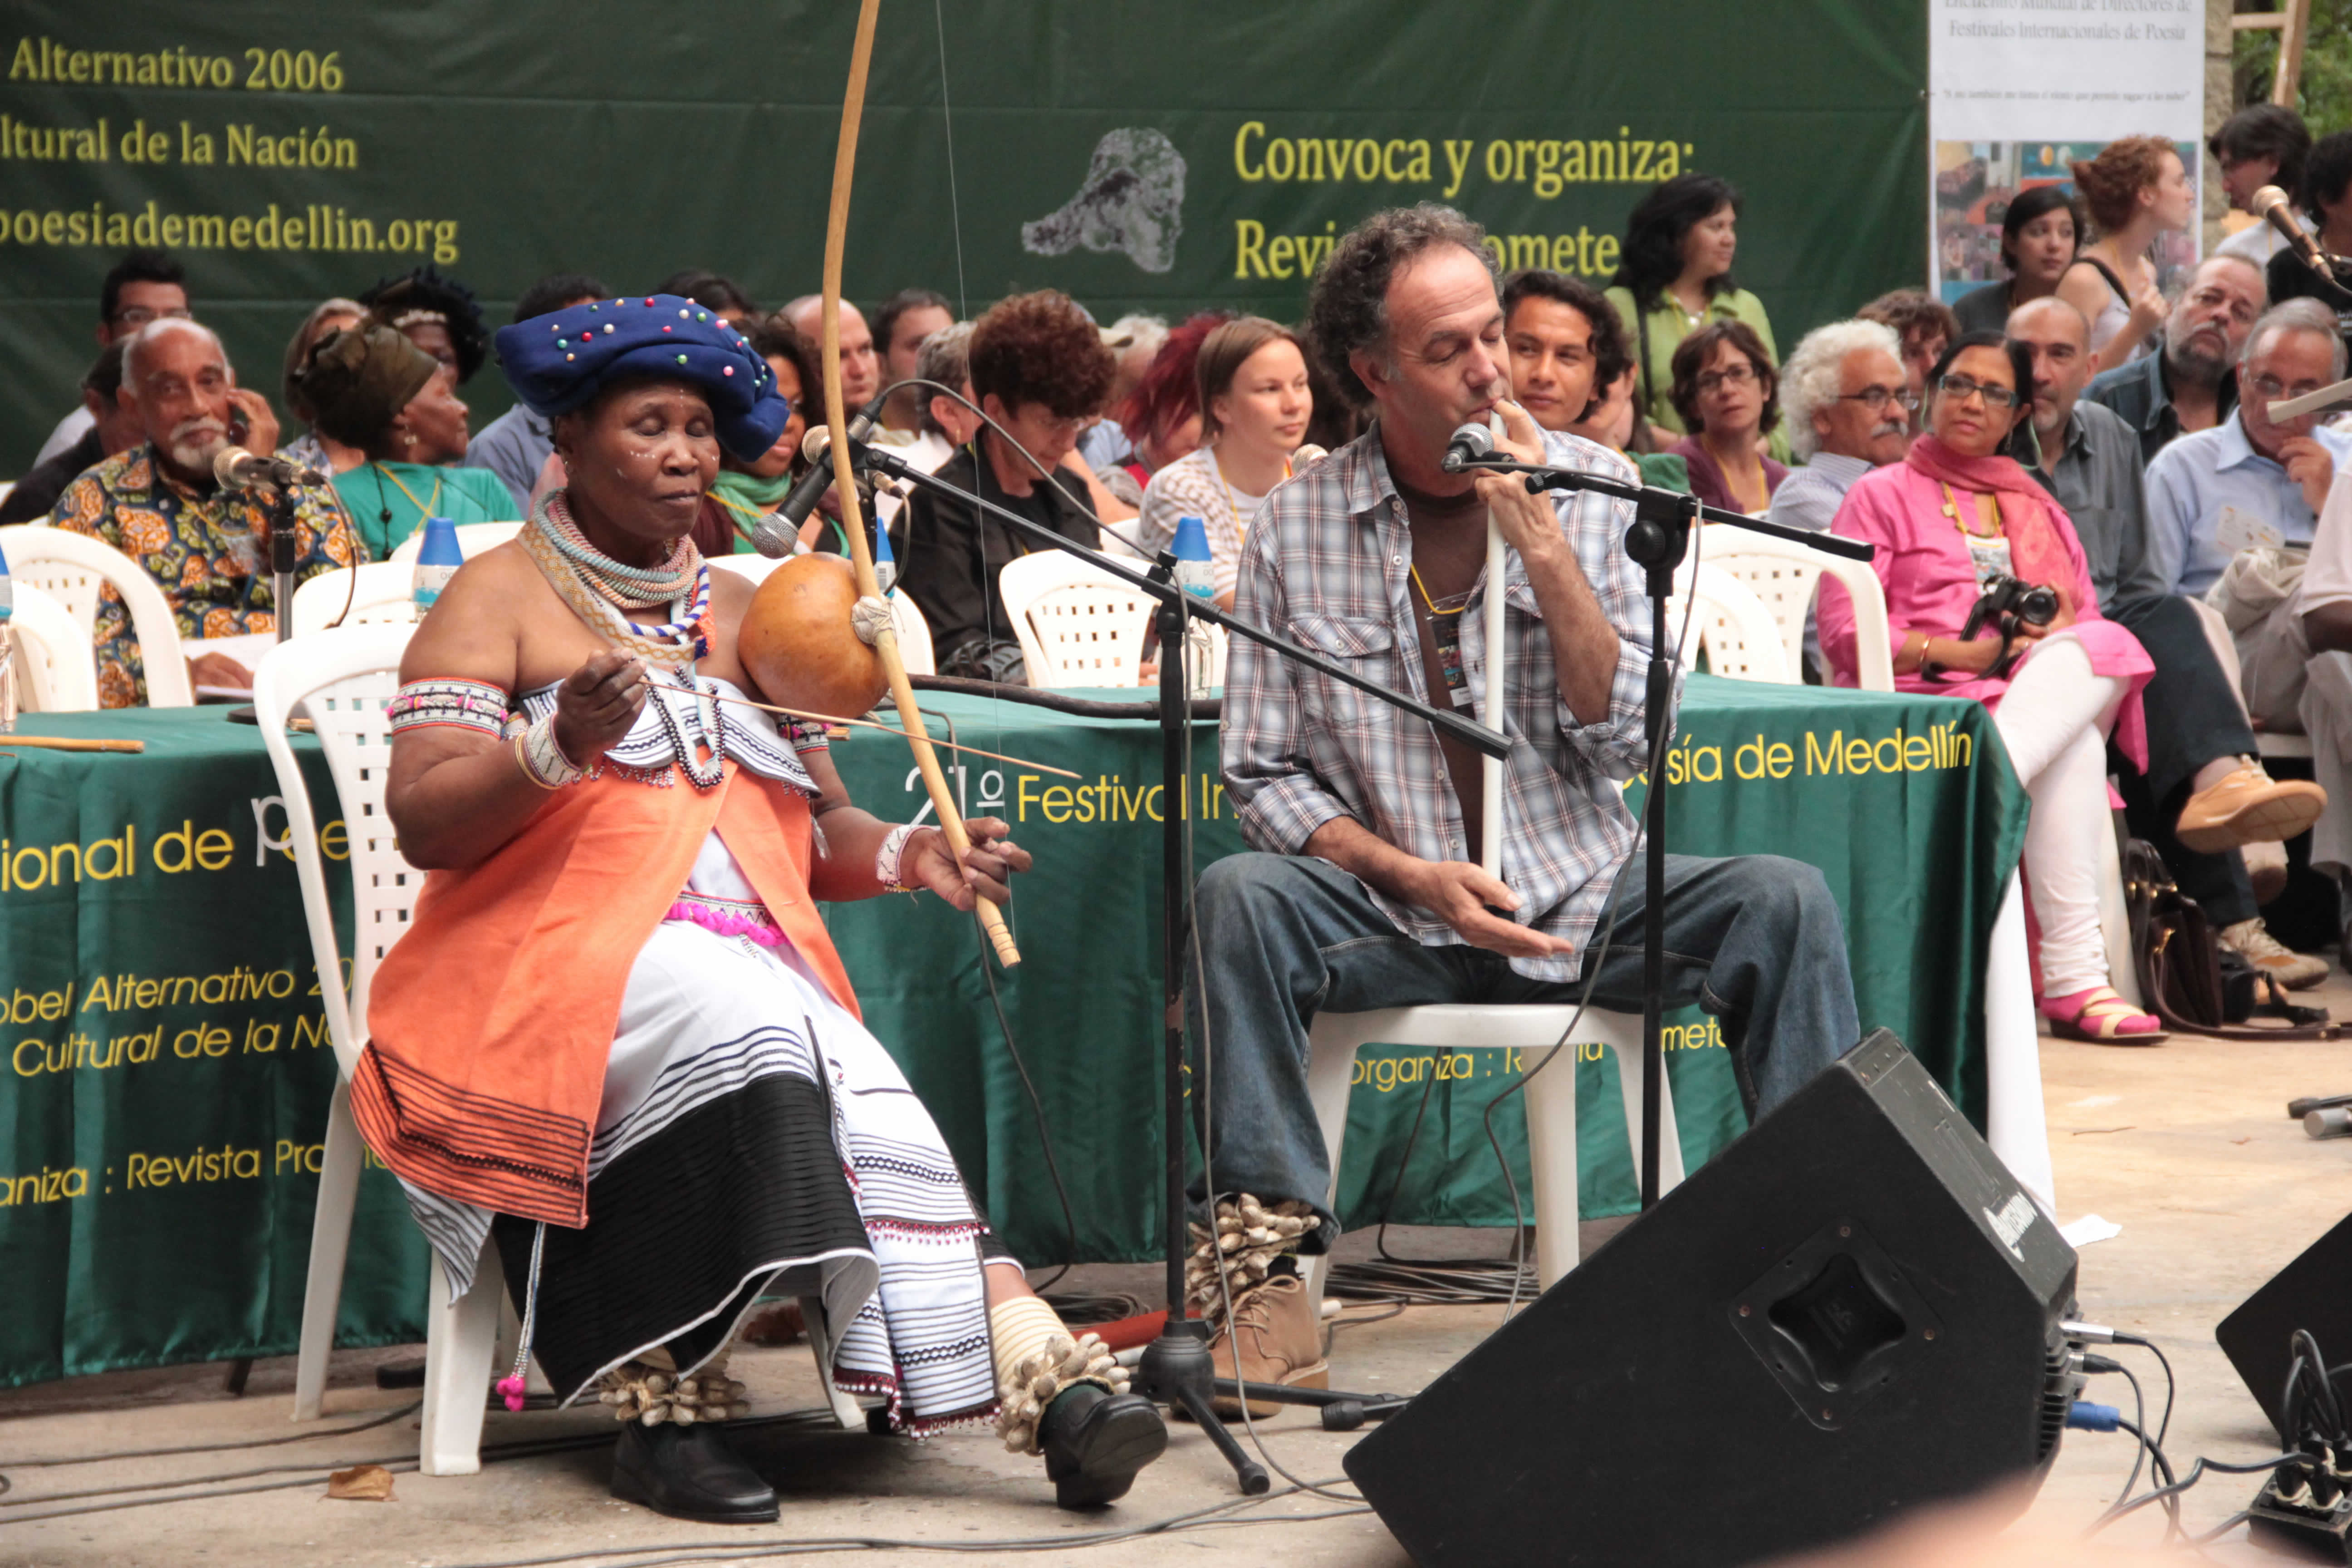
(1975, 183)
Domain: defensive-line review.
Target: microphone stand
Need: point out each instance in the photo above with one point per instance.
(1176, 1369)
(1660, 534)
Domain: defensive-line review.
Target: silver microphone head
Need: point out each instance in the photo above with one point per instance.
(816, 443)
(772, 539)
(1308, 452)
(226, 464)
(1472, 440)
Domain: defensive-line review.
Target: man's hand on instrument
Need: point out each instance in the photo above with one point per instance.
(1529, 523)
(1459, 891)
(986, 871)
(596, 705)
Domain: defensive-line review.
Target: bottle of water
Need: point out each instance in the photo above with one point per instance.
(436, 562)
(1197, 576)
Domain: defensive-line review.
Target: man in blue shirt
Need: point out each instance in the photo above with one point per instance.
(517, 444)
(2251, 478)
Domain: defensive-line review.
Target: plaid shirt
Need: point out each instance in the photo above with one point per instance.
(1326, 566)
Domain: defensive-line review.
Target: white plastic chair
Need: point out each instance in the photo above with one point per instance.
(473, 538)
(384, 597)
(1077, 626)
(1551, 1097)
(755, 567)
(72, 567)
(56, 670)
(342, 679)
(1785, 576)
(1733, 629)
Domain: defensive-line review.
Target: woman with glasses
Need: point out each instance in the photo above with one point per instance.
(1954, 518)
(2040, 235)
(1728, 394)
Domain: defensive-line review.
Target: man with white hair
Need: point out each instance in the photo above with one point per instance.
(1846, 402)
(207, 547)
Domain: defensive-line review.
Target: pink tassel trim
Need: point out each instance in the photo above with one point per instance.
(510, 1388)
(761, 931)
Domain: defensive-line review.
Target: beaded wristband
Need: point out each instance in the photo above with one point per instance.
(542, 759)
(889, 860)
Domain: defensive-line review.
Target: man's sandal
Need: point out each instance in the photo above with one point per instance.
(2102, 1018)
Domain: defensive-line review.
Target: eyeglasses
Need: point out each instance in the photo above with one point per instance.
(140, 315)
(1876, 398)
(1735, 376)
(2271, 388)
(1961, 386)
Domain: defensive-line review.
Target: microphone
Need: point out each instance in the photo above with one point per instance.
(1308, 452)
(236, 469)
(1471, 442)
(2269, 203)
(776, 533)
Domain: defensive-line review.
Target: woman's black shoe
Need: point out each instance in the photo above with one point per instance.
(1095, 1442)
(690, 1472)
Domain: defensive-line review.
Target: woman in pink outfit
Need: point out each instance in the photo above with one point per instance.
(1950, 518)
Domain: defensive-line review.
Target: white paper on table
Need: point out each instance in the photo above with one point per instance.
(2088, 1229)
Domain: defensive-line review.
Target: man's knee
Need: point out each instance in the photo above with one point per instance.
(1791, 890)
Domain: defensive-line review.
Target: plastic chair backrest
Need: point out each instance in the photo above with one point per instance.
(56, 670)
(755, 567)
(342, 679)
(73, 568)
(1734, 630)
(1077, 626)
(473, 538)
(914, 635)
(1787, 577)
(384, 597)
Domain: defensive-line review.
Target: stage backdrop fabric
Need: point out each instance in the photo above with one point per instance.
(1141, 156)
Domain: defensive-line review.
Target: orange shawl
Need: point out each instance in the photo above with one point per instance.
(492, 1018)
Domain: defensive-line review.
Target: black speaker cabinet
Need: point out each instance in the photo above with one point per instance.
(1853, 1310)
(2312, 1292)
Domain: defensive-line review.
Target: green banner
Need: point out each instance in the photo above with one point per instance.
(1138, 156)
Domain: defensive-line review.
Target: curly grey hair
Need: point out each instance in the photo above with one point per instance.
(1813, 378)
(1347, 308)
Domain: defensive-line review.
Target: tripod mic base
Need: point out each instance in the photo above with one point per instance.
(1176, 1372)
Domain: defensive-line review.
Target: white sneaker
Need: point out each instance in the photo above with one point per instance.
(2251, 940)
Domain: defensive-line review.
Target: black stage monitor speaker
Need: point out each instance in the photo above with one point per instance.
(1852, 1311)
(2312, 1292)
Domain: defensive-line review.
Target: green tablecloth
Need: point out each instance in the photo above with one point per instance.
(169, 1073)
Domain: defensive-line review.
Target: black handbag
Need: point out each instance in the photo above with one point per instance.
(2188, 979)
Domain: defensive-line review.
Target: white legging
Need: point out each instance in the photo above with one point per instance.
(2054, 721)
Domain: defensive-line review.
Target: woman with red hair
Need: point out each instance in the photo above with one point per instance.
(1162, 416)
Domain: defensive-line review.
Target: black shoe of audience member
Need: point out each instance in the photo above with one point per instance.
(1095, 1442)
(690, 1472)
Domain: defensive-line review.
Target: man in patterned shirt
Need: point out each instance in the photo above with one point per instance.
(157, 503)
(1367, 892)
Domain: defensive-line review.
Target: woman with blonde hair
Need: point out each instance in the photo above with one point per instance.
(2136, 189)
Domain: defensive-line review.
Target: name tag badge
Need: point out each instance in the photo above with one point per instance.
(1446, 632)
(2235, 530)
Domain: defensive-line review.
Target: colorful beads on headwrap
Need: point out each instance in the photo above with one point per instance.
(559, 362)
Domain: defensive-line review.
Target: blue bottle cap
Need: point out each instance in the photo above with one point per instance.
(440, 546)
(1191, 541)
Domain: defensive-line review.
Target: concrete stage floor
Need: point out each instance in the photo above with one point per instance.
(2186, 1146)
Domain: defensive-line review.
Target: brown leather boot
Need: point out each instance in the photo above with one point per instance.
(1278, 1339)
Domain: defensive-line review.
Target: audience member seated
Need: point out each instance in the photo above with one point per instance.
(2261, 145)
(744, 493)
(2136, 189)
(144, 285)
(1613, 422)
(1728, 394)
(115, 428)
(2040, 233)
(517, 444)
(861, 367)
(2253, 480)
(1135, 341)
(207, 548)
(2315, 627)
(1571, 370)
(2192, 384)
(1040, 371)
(901, 322)
(1254, 405)
(1924, 325)
(2204, 800)
(714, 291)
(1848, 401)
(372, 389)
(437, 313)
(312, 448)
(1674, 277)
(947, 424)
(1949, 519)
(2325, 199)
(1160, 417)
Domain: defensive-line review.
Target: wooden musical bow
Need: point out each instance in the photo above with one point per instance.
(861, 553)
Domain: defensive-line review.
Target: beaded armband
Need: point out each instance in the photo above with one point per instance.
(542, 759)
(888, 860)
(466, 704)
(805, 735)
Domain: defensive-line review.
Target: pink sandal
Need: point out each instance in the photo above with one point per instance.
(2102, 1018)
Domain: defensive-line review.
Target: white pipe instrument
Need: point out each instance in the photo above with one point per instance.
(1490, 769)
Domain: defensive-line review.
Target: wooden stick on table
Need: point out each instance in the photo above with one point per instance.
(71, 743)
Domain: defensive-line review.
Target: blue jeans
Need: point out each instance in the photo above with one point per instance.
(1755, 940)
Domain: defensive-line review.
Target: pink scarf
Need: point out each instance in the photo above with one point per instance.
(2037, 553)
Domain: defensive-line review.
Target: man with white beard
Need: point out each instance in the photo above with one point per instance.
(207, 547)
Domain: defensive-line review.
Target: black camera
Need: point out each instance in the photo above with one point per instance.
(2006, 601)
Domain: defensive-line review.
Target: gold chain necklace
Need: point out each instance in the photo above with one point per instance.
(423, 508)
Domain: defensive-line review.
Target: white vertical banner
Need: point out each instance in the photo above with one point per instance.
(2019, 89)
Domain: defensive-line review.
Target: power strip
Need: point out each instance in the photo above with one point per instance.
(2296, 1520)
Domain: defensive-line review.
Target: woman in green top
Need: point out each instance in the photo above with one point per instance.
(1675, 278)
(744, 493)
(372, 389)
